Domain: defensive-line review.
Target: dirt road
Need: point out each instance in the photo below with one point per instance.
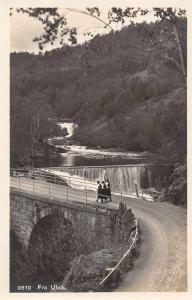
(161, 265)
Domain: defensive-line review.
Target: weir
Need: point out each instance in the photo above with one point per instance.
(122, 177)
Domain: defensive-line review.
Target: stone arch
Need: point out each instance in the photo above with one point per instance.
(52, 245)
(49, 211)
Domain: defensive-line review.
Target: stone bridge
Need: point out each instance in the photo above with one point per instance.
(93, 225)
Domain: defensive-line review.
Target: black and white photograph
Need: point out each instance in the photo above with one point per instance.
(98, 148)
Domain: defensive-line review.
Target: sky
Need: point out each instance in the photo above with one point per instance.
(23, 28)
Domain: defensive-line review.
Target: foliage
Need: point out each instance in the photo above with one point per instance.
(51, 248)
(30, 114)
(56, 251)
(178, 185)
(52, 21)
(176, 189)
(120, 97)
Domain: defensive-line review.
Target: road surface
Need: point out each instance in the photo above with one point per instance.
(162, 264)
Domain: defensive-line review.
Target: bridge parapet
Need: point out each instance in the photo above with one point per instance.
(58, 184)
(88, 221)
(93, 227)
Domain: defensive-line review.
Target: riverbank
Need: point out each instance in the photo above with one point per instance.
(66, 151)
(42, 151)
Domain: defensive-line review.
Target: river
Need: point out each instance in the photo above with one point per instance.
(82, 156)
(125, 169)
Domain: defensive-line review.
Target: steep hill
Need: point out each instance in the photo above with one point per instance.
(120, 93)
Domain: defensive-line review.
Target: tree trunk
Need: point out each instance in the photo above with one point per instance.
(181, 55)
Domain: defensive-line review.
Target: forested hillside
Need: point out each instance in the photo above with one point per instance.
(121, 92)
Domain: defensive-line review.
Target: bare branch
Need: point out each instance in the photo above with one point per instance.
(172, 60)
(91, 15)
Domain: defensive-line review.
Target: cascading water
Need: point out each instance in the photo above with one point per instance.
(122, 178)
(70, 126)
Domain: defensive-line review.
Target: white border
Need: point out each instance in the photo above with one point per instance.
(4, 145)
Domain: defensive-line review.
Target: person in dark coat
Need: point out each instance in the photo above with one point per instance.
(99, 191)
(104, 191)
(108, 192)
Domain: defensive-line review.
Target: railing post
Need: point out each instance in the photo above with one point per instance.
(67, 193)
(85, 196)
(49, 189)
(121, 196)
(19, 183)
(136, 190)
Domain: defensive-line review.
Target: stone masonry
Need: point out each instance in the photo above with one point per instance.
(91, 225)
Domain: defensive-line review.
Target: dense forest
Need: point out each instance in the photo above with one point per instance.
(120, 92)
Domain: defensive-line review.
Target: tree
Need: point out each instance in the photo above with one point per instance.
(81, 92)
(35, 130)
(53, 24)
(172, 15)
(30, 122)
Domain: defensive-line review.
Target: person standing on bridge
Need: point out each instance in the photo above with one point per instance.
(108, 189)
(104, 192)
(99, 191)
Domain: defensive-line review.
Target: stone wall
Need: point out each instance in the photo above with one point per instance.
(101, 270)
(55, 233)
(93, 226)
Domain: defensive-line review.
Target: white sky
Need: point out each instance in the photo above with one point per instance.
(24, 29)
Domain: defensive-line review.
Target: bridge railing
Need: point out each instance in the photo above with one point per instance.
(64, 184)
(51, 186)
(149, 194)
(131, 245)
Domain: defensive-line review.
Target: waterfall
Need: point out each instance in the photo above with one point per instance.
(122, 178)
(70, 126)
